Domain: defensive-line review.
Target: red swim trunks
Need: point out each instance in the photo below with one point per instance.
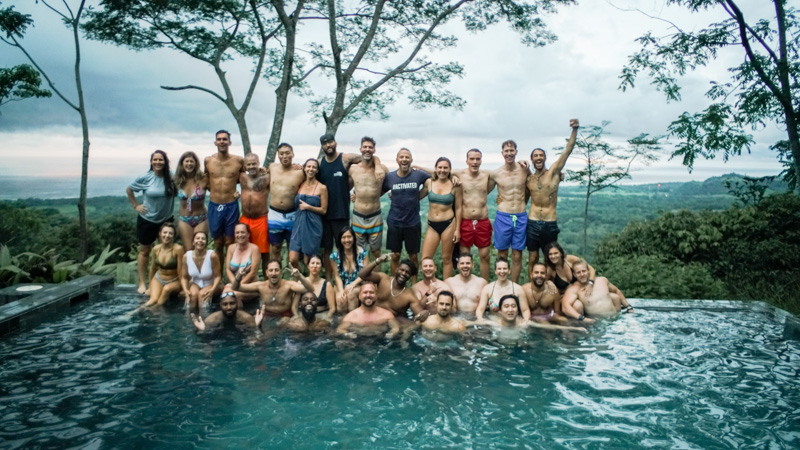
(477, 232)
(259, 232)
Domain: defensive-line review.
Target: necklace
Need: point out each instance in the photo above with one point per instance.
(538, 181)
(274, 292)
(533, 294)
(391, 289)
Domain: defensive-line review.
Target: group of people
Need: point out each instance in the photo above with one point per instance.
(308, 206)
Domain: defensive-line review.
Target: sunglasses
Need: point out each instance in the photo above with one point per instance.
(227, 294)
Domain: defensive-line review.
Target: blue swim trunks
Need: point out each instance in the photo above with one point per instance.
(509, 230)
(222, 218)
(281, 224)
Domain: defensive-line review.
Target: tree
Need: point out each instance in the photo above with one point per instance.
(606, 164)
(20, 82)
(377, 50)
(750, 191)
(14, 25)
(765, 87)
(211, 31)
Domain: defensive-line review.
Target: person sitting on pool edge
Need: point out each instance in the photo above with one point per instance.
(593, 299)
(443, 320)
(229, 314)
(307, 319)
(368, 318)
(509, 317)
(276, 294)
(392, 292)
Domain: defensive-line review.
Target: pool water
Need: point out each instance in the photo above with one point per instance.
(656, 379)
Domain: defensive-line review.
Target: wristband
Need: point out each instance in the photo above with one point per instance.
(581, 317)
(591, 282)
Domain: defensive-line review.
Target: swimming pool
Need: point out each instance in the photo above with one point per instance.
(662, 379)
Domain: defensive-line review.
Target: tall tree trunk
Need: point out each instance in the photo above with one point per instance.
(82, 202)
(586, 220)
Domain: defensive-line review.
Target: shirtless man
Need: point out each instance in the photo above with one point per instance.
(443, 320)
(367, 180)
(223, 170)
(543, 297)
(511, 220)
(285, 179)
(428, 289)
(542, 185)
(229, 314)
(393, 294)
(368, 318)
(492, 292)
(508, 317)
(333, 173)
(278, 296)
(598, 299)
(475, 225)
(307, 319)
(465, 286)
(255, 194)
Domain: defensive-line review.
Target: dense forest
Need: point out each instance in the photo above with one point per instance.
(669, 240)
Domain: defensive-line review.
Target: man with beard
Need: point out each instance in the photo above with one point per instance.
(542, 185)
(367, 180)
(277, 295)
(228, 315)
(406, 190)
(333, 173)
(543, 297)
(368, 318)
(222, 170)
(307, 320)
(599, 299)
(255, 194)
(429, 288)
(466, 286)
(509, 317)
(284, 182)
(443, 320)
(392, 292)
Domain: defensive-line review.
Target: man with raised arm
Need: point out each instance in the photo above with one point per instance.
(542, 228)
(428, 289)
(585, 299)
(443, 320)
(223, 170)
(368, 318)
(278, 296)
(307, 319)
(492, 292)
(228, 315)
(367, 180)
(255, 207)
(393, 294)
(511, 220)
(543, 297)
(284, 182)
(476, 228)
(466, 287)
(405, 227)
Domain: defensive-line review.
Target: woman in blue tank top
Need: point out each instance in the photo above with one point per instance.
(444, 215)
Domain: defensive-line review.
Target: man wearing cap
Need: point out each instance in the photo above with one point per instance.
(333, 173)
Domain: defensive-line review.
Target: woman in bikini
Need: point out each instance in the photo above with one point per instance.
(559, 266)
(243, 253)
(326, 305)
(348, 259)
(311, 203)
(166, 265)
(201, 277)
(444, 219)
(191, 183)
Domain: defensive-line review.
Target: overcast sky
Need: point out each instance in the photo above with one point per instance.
(512, 91)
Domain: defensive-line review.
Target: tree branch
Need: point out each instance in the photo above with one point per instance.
(191, 86)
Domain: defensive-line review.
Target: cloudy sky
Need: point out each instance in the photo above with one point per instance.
(512, 91)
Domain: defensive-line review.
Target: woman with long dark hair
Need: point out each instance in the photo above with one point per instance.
(311, 202)
(444, 215)
(559, 266)
(158, 195)
(191, 183)
(348, 259)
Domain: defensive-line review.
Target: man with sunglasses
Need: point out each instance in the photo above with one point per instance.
(229, 314)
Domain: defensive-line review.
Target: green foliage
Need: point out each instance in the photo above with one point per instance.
(764, 87)
(20, 82)
(49, 267)
(753, 250)
(651, 276)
